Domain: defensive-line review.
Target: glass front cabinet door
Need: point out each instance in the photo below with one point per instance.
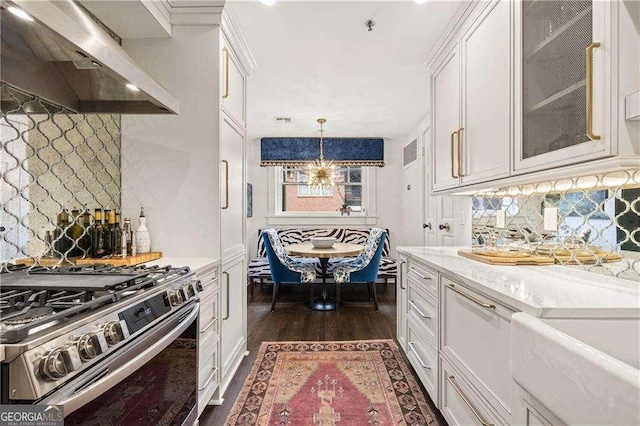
(563, 79)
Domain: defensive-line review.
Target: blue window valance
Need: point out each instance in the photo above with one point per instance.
(342, 151)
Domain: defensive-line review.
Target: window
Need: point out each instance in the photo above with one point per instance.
(298, 196)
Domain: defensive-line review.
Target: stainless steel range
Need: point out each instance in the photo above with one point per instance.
(71, 334)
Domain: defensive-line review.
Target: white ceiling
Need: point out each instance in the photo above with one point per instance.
(317, 59)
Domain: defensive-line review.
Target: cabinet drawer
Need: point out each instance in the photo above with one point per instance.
(208, 373)
(208, 280)
(424, 359)
(209, 314)
(460, 404)
(423, 308)
(423, 276)
(476, 338)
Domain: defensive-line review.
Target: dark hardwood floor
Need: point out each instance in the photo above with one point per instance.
(356, 320)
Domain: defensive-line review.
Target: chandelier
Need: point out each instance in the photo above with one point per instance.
(321, 172)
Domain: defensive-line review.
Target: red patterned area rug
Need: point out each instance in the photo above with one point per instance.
(360, 382)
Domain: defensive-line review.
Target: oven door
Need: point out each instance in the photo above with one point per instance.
(152, 380)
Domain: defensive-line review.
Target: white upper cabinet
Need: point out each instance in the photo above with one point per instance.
(485, 138)
(528, 86)
(563, 83)
(233, 86)
(471, 101)
(445, 89)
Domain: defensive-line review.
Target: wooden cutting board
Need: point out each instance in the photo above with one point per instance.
(118, 261)
(581, 257)
(531, 260)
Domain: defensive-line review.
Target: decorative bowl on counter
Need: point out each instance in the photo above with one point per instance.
(323, 242)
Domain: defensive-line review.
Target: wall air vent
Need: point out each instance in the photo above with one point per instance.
(282, 120)
(410, 153)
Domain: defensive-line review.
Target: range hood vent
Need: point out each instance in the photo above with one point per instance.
(65, 58)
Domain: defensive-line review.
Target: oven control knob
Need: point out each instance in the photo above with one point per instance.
(175, 297)
(113, 333)
(52, 366)
(189, 291)
(89, 346)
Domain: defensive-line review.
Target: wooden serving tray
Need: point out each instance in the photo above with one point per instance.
(585, 257)
(532, 259)
(44, 261)
(118, 261)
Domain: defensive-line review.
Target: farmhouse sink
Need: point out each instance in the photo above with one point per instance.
(583, 371)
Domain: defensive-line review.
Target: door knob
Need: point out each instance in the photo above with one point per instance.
(444, 226)
(427, 225)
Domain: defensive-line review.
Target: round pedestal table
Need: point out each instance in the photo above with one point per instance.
(306, 249)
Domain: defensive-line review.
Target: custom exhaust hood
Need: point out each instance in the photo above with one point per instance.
(55, 51)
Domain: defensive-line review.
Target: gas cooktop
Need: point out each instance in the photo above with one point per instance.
(40, 300)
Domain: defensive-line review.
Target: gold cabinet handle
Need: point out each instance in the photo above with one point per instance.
(413, 349)
(401, 263)
(453, 145)
(418, 310)
(589, 59)
(466, 401)
(226, 184)
(225, 54)
(459, 132)
(226, 317)
(473, 299)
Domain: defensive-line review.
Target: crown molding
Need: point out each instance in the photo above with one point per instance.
(232, 31)
(197, 12)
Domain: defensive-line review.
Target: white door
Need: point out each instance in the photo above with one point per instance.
(445, 112)
(412, 193)
(429, 224)
(485, 139)
(232, 190)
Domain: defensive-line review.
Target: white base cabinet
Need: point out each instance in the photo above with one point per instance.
(458, 342)
(476, 339)
(208, 334)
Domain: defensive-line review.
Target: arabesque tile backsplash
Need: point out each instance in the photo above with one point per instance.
(598, 221)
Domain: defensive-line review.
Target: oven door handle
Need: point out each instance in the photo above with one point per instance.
(124, 363)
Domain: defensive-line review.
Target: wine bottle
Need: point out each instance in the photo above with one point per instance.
(85, 239)
(109, 238)
(75, 232)
(117, 234)
(62, 241)
(97, 235)
(127, 237)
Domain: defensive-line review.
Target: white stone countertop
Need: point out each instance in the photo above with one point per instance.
(195, 263)
(553, 291)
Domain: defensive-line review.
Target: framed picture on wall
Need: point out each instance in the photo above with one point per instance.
(249, 200)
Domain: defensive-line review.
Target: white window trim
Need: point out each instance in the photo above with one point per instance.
(367, 217)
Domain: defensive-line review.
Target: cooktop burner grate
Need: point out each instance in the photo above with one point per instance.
(31, 314)
(41, 299)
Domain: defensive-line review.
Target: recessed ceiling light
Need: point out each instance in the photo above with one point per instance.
(420, 1)
(20, 13)
(268, 2)
(132, 87)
